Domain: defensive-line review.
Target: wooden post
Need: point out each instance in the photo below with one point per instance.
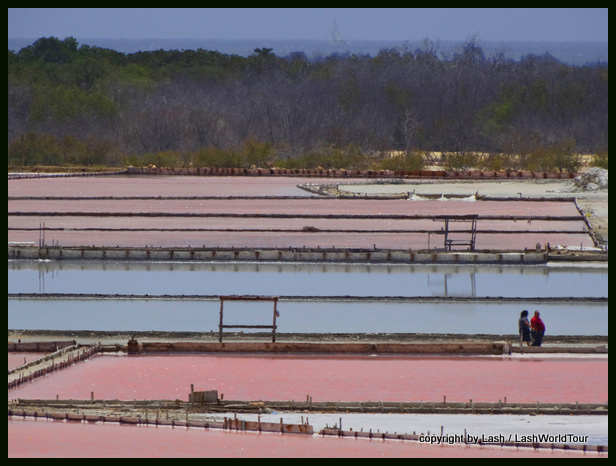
(274, 323)
(521, 342)
(220, 324)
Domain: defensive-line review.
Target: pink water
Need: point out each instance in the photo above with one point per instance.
(162, 186)
(297, 224)
(19, 359)
(249, 186)
(46, 439)
(222, 239)
(329, 378)
(349, 378)
(300, 207)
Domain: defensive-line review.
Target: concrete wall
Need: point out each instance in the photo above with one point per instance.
(329, 348)
(496, 347)
(276, 255)
(341, 173)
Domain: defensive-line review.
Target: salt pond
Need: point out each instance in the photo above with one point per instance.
(304, 280)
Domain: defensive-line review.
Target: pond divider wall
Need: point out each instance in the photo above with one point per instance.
(340, 255)
(324, 348)
(226, 424)
(47, 364)
(28, 407)
(306, 172)
(275, 255)
(470, 348)
(342, 173)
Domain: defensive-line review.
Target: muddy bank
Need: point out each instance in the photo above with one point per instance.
(122, 337)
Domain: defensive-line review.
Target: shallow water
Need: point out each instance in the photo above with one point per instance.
(45, 439)
(318, 316)
(304, 279)
(329, 378)
(307, 317)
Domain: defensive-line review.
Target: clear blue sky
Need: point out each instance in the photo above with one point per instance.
(498, 24)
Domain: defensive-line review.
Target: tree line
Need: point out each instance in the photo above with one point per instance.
(78, 104)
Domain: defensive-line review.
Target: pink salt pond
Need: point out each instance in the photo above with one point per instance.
(133, 212)
(288, 377)
(19, 359)
(330, 378)
(46, 439)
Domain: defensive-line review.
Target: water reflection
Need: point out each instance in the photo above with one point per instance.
(303, 317)
(302, 279)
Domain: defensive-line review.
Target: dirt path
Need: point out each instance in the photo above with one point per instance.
(108, 338)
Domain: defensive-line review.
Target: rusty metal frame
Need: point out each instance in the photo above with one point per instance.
(248, 298)
(449, 242)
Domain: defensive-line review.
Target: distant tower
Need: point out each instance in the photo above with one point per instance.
(335, 37)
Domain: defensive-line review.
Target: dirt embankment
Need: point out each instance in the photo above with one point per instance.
(108, 337)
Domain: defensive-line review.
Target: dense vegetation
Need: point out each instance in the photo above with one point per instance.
(82, 105)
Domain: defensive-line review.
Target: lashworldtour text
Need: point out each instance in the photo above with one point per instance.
(547, 438)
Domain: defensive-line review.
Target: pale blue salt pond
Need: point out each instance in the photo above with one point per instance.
(297, 279)
(322, 280)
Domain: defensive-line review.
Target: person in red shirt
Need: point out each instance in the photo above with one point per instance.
(538, 329)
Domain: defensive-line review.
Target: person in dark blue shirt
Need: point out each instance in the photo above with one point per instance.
(524, 328)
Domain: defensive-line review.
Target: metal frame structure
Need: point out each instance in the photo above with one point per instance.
(248, 298)
(449, 242)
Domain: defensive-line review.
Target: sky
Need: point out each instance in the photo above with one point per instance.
(486, 24)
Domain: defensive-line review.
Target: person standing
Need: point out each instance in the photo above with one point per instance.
(524, 328)
(538, 328)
